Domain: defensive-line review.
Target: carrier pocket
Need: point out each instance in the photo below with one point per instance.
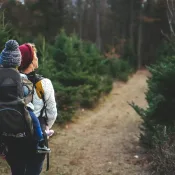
(12, 119)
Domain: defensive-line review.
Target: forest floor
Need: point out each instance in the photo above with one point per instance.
(102, 141)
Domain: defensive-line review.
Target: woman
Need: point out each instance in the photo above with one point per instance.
(22, 156)
(29, 64)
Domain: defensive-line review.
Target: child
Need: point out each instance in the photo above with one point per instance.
(11, 58)
(49, 132)
(39, 134)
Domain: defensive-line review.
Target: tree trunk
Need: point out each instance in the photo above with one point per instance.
(80, 22)
(139, 45)
(98, 36)
(131, 27)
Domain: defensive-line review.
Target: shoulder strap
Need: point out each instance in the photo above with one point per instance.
(38, 85)
(36, 79)
(40, 92)
(29, 85)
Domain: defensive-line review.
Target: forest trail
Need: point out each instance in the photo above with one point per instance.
(103, 141)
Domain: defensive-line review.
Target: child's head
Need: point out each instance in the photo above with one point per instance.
(29, 57)
(11, 56)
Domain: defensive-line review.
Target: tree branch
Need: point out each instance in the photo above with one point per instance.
(166, 36)
(169, 8)
(171, 15)
(173, 5)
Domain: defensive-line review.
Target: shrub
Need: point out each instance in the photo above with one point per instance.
(163, 156)
(160, 97)
(82, 73)
(130, 56)
(119, 69)
(46, 63)
(4, 31)
(157, 129)
(166, 49)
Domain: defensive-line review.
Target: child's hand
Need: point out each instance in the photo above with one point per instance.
(47, 128)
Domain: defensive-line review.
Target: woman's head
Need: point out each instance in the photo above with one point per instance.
(11, 55)
(29, 61)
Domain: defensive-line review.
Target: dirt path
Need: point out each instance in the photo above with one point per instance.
(102, 141)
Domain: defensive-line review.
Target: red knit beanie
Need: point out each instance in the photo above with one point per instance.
(27, 56)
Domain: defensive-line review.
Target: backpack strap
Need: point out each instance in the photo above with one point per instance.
(40, 92)
(36, 79)
(43, 120)
(43, 127)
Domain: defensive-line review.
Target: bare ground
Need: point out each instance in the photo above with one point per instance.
(102, 141)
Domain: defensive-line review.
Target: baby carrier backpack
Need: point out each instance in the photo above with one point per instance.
(15, 120)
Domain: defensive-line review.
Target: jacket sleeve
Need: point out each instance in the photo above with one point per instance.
(49, 95)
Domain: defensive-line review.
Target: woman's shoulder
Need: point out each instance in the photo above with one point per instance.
(43, 80)
(46, 84)
(46, 81)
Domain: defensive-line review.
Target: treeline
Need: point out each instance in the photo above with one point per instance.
(131, 27)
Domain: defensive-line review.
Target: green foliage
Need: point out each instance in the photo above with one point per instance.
(130, 56)
(75, 55)
(4, 31)
(119, 69)
(80, 73)
(46, 62)
(165, 49)
(157, 129)
(8, 31)
(160, 97)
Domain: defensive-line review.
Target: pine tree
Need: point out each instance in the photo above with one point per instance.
(160, 113)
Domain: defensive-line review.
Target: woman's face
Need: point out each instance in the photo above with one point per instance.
(35, 60)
